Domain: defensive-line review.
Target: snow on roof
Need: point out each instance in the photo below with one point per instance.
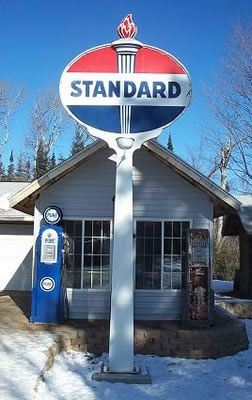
(8, 189)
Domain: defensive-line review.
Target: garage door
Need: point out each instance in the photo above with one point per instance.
(16, 243)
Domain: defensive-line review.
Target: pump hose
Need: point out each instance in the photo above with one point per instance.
(64, 289)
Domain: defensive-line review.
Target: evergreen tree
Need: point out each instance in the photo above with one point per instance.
(21, 174)
(11, 168)
(78, 142)
(169, 143)
(2, 172)
(42, 162)
(28, 170)
(52, 161)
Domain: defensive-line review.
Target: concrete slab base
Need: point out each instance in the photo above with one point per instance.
(141, 376)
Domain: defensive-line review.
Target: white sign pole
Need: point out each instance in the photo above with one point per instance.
(121, 345)
(121, 342)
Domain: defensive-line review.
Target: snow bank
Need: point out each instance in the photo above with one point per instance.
(222, 286)
(173, 378)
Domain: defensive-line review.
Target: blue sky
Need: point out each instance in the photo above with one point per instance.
(38, 39)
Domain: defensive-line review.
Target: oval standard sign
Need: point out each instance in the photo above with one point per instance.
(125, 87)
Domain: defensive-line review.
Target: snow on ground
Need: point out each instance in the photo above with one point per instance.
(229, 378)
(22, 357)
(222, 286)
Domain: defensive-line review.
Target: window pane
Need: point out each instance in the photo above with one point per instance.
(176, 229)
(185, 228)
(148, 263)
(88, 228)
(86, 279)
(105, 279)
(77, 247)
(167, 246)
(106, 246)
(148, 229)
(96, 263)
(147, 281)
(140, 229)
(139, 262)
(77, 262)
(140, 246)
(157, 280)
(176, 281)
(148, 246)
(78, 228)
(96, 280)
(157, 246)
(87, 261)
(166, 280)
(157, 229)
(105, 263)
(176, 246)
(88, 246)
(106, 228)
(96, 246)
(168, 229)
(176, 263)
(97, 228)
(74, 279)
(167, 263)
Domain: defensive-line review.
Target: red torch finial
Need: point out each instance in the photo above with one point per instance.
(127, 28)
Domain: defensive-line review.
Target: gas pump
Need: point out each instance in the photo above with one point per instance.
(48, 293)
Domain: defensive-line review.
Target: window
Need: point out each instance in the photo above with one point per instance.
(160, 254)
(88, 254)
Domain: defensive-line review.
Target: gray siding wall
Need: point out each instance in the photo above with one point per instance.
(159, 193)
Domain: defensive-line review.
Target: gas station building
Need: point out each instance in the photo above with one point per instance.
(169, 198)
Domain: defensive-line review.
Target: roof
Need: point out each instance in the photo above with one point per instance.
(7, 189)
(224, 203)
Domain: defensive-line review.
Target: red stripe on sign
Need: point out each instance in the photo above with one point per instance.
(154, 61)
(100, 60)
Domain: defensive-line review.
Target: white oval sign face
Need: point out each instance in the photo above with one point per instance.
(47, 284)
(140, 91)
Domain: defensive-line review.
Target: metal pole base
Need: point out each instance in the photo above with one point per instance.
(138, 376)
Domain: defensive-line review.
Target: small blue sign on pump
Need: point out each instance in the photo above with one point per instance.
(47, 292)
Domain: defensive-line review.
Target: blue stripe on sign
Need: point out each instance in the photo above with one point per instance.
(143, 118)
(146, 118)
(105, 118)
